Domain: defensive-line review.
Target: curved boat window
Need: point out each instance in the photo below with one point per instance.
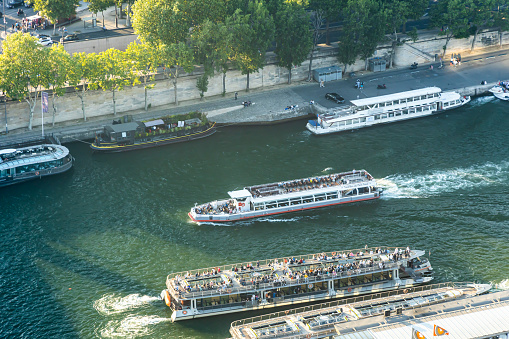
(271, 204)
(333, 195)
(282, 203)
(307, 199)
(391, 115)
(320, 197)
(349, 122)
(295, 201)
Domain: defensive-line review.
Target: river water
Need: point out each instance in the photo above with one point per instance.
(85, 254)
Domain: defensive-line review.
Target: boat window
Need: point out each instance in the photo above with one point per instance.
(307, 199)
(402, 101)
(391, 115)
(282, 203)
(296, 201)
(377, 117)
(388, 103)
(362, 119)
(271, 204)
(333, 195)
(259, 206)
(3, 173)
(349, 122)
(416, 98)
(395, 102)
(384, 116)
(320, 197)
(398, 114)
(405, 111)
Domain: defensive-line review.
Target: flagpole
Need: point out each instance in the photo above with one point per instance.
(42, 112)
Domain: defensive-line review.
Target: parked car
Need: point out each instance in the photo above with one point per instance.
(69, 37)
(14, 3)
(28, 5)
(46, 41)
(335, 97)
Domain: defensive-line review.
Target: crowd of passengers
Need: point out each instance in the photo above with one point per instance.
(182, 285)
(309, 183)
(228, 207)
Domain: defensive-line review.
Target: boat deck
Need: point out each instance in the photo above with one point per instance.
(31, 155)
(297, 270)
(322, 320)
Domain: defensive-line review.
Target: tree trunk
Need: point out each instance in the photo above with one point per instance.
(224, 83)
(310, 63)
(247, 88)
(31, 105)
(327, 36)
(366, 64)
(289, 75)
(82, 97)
(473, 40)
(54, 109)
(128, 19)
(54, 28)
(146, 90)
(102, 12)
(175, 85)
(116, 16)
(114, 103)
(393, 50)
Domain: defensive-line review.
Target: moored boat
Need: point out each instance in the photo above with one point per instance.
(26, 163)
(501, 91)
(308, 278)
(289, 196)
(120, 137)
(349, 315)
(386, 109)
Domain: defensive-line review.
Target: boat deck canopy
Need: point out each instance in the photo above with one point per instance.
(130, 126)
(154, 123)
(239, 194)
(395, 96)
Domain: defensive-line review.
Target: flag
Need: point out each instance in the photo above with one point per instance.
(417, 335)
(44, 100)
(438, 331)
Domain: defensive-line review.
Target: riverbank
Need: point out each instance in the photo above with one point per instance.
(269, 103)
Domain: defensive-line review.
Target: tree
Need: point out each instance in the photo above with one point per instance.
(252, 33)
(175, 57)
(331, 10)
(96, 6)
(58, 64)
(371, 27)
(317, 19)
(501, 18)
(452, 16)
(202, 83)
(212, 49)
(55, 9)
(482, 16)
(114, 75)
(23, 69)
(83, 75)
(143, 62)
(293, 37)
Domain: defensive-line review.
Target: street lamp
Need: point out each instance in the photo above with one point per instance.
(5, 113)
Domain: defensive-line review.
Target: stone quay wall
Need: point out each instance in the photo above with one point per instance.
(99, 103)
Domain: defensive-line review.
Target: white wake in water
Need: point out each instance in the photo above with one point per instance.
(327, 169)
(111, 304)
(131, 327)
(438, 182)
(503, 285)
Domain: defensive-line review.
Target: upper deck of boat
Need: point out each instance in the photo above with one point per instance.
(10, 158)
(296, 270)
(311, 183)
(321, 320)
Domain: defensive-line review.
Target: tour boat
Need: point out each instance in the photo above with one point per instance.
(501, 91)
(386, 109)
(120, 137)
(26, 163)
(270, 283)
(351, 316)
(289, 196)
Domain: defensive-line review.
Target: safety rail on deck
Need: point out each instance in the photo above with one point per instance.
(351, 300)
(266, 262)
(289, 283)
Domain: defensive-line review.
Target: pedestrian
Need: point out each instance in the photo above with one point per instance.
(322, 83)
(236, 95)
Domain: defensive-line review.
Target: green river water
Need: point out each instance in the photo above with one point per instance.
(85, 254)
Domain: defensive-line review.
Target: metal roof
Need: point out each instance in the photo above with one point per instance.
(395, 96)
(470, 322)
(239, 194)
(130, 126)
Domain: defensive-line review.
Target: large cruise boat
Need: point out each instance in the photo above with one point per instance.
(26, 163)
(270, 283)
(353, 314)
(289, 196)
(386, 109)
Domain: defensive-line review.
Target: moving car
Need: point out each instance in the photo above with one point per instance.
(14, 3)
(335, 97)
(46, 41)
(69, 37)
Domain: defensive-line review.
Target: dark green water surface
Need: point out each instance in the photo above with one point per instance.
(86, 254)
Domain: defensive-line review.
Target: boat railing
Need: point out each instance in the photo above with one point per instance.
(263, 265)
(253, 288)
(423, 289)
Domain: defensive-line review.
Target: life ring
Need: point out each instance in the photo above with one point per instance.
(310, 286)
(287, 311)
(308, 335)
(349, 272)
(184, 312)
(405, 291)
(349, 289)
(37, 173)
(333, 253)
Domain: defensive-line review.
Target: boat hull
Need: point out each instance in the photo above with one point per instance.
(36, 174)
(279, 210)
(153, 143)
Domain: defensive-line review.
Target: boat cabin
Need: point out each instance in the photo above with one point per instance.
(123, 133)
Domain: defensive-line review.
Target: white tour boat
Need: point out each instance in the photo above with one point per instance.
(270, 283)
(501, 91)
(386, 109)
(351, 316)
(289, 196)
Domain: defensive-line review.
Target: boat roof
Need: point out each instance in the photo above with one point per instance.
(154, 123)
(449, 96)
(395, 96)
(347, 316)
(481, 316)
(244, 193)
(118, 128)
(34, 154)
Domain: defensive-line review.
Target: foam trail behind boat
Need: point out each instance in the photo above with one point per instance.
(131, 327)
(444, 181)
(112, 304)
